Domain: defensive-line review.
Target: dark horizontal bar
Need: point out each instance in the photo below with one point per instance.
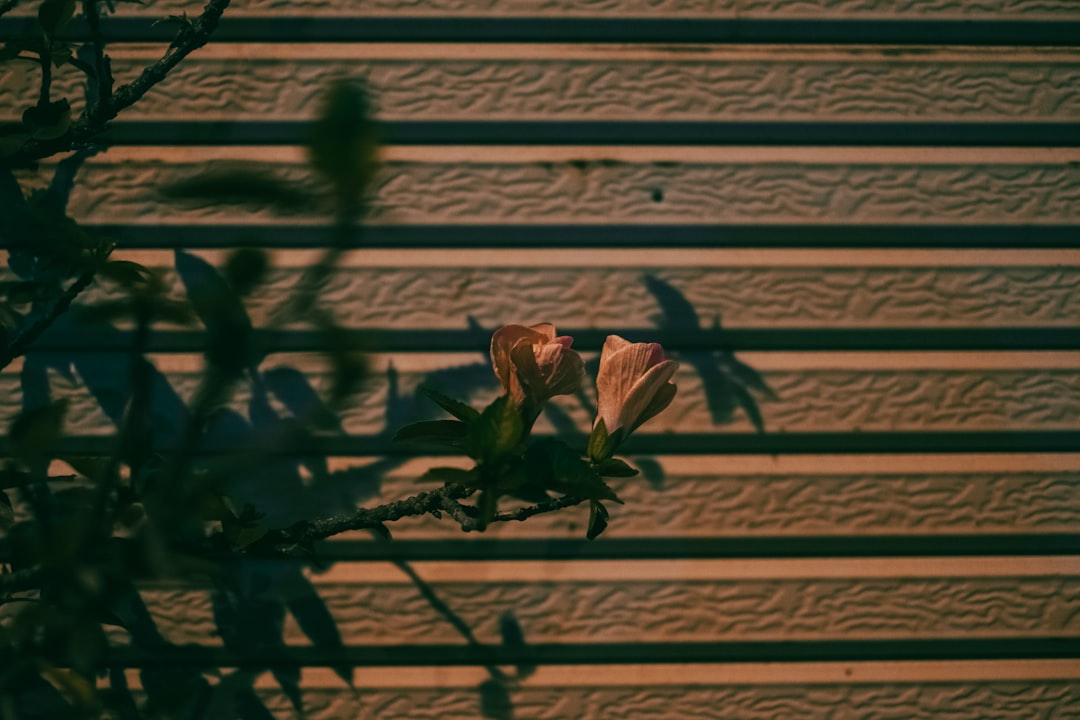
(1064, 32)
(1029, 134)
(607, 653)
(676, 339)
(823, 443)
(606, 236)
(868, 546)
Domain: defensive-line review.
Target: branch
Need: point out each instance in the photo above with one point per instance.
(21, 344)
(433, 502)
(538, 509)
(193, 34)
(99, 99)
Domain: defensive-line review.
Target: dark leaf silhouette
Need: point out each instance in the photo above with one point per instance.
(63, 179)
(651, 470)
(219, 308)
(495, 701)
(248, 706)
(315, 620)
(727, 381)
(294, 390)
(239, 185)
(598, 520)
(513, 638)
(245, 269)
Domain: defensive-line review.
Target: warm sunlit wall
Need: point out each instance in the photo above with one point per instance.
(903, 520)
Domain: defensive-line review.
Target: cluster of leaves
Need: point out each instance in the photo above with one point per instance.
(510, 463)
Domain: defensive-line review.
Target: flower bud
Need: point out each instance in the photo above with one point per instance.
(633, 385)
(533, 365)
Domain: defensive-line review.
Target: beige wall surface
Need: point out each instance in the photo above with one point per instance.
(901, 540)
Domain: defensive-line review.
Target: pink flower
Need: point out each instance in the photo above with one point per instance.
(634, 383)
(534, 365)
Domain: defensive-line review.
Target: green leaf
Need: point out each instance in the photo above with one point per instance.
(497, 431)
(601, 445)
(34, 431)
(598, 520)
(450, 476)
(12, 137)
(74, 687)
(553, 464)
(458, 409)
(49, 121)
(92, 468)
(443, 432)
(54, 15)
(614, 467)
(597, 438)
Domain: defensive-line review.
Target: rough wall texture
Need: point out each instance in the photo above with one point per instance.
(642, 611)
(741, 297)
(627, 193)
(700, 86)
(809, 401)
(845, 390)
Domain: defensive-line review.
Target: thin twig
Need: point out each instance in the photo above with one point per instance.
(21, 344)
(545, 507)
(193, 35)
(432, 502)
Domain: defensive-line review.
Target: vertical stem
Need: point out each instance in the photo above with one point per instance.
(45, 60)
(102, 97)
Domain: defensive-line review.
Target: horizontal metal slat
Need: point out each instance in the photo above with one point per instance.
(809, 443)
(70, 340)
(609, 236)
(971, 690)
(563, 133)
(540, 28)
(609, 653)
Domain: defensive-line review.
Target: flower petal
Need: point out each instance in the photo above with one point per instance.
(563, 369)
(502, 341)
(639, 400)
(622, 364)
